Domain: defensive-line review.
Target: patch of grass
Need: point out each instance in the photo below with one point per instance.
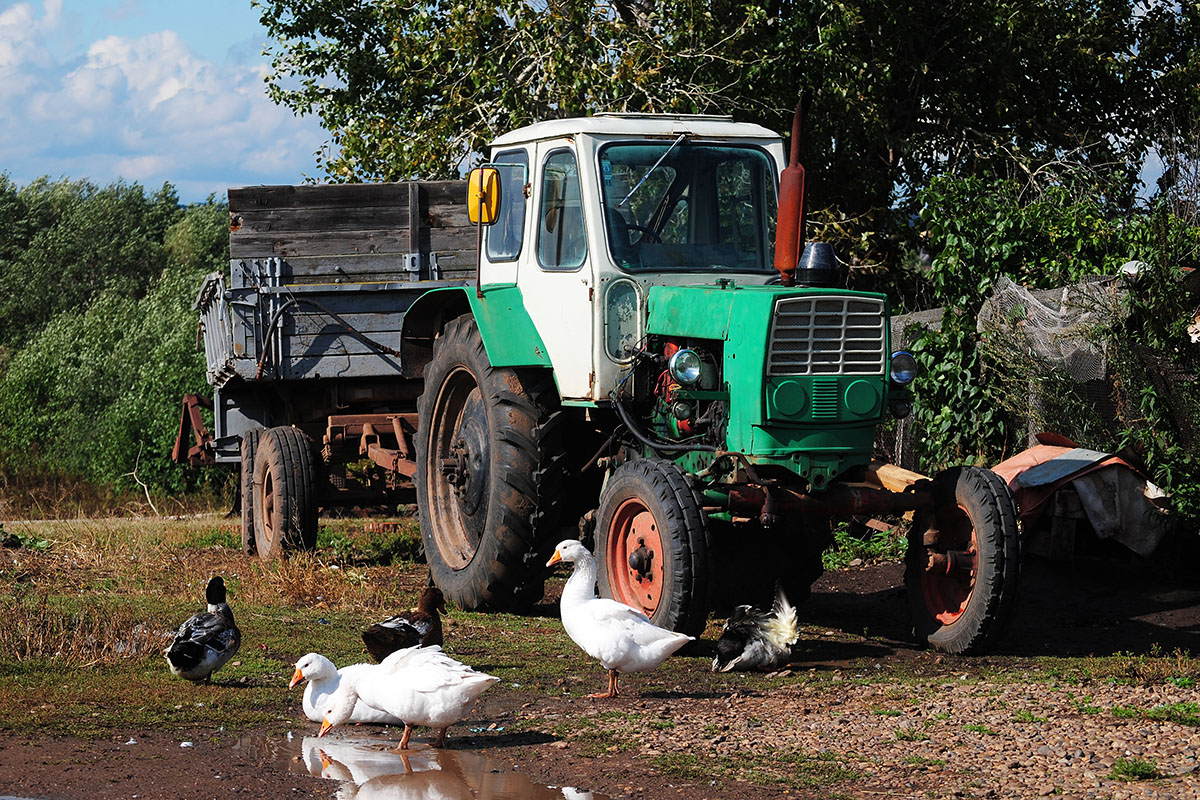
(978, 728)
(868, 545)
(1134, 769)
(1186, 713)
(1182, 681)
(911, 735)
(922, 761)
(1025, 715)
(223, 536)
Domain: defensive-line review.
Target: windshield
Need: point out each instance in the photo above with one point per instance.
(689, 206)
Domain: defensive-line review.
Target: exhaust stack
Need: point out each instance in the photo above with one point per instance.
(789, 231)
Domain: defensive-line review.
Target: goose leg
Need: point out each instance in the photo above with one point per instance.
(404, 738)
(612, 686)
(440, 741)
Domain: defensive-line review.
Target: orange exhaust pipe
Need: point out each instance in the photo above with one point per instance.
(789, 232)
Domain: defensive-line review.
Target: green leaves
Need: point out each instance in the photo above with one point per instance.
(92, 390)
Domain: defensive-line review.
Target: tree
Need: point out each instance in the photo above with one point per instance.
(905, 91)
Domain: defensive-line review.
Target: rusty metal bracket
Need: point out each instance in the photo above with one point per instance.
(191, 423)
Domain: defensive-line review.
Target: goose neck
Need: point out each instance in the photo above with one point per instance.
(582, 583)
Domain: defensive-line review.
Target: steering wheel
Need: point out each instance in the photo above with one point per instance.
(647, 234)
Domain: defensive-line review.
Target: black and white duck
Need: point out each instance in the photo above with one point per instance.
(422, 626)
(207, 640)
(753, 639)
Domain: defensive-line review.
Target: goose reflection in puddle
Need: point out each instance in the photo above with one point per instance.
(371, 770)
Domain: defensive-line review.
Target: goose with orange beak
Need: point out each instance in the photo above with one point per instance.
(421, 685)
(621, 638)
(323, 680)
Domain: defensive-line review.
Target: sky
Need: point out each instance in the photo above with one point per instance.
(145, 91)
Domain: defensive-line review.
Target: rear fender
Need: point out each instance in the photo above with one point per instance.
(509, 335)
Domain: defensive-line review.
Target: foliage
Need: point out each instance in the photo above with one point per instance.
(66, 242)
(867, 545)
(904, 91)
(974, 402)
(92, 386)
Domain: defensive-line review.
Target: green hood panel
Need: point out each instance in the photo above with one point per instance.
(813, 424)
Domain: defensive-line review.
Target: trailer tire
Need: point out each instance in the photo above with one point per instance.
(650, 514)
(246, 488)
(962, 608)
(489, 471)
(285, 493)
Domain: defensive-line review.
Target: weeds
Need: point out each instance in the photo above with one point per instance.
(1134, 769)
(865, 545)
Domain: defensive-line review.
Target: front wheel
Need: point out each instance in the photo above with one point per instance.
(285, 492)
(652, 545)
(963, 561)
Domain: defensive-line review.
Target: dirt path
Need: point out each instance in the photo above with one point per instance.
(861, 714)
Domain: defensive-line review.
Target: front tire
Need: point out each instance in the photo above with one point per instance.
(285, 493)
(963, 562)
(489, 469)
(652, 545)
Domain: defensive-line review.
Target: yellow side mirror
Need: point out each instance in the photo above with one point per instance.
(483, 195)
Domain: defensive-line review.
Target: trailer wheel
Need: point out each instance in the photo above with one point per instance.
(652, 545)
(285, 493)
(246, 487)
(963, 561)
(489, 469)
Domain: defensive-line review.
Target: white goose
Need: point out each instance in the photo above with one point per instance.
(621, 638)
(323, 680)
(420, 685)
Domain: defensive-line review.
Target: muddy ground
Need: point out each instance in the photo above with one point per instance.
(860, 714)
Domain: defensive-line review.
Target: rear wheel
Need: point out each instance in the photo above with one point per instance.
(652, 545)
(963, 562)
(489, 469)
(285, 492)
(249, 447)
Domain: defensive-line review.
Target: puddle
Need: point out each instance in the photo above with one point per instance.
(369, 768)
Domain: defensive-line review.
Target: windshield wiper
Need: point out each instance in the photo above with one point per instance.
(650, 171)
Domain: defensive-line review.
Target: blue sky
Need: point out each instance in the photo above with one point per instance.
(149, 91)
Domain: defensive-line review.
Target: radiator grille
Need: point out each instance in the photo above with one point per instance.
(827, 336)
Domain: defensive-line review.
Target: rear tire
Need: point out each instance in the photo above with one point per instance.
(652, 548)
(249, 448)
(285, 493)
(962, 606)
(489, 472)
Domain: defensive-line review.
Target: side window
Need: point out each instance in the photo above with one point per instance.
(505, 237)
(561, 241)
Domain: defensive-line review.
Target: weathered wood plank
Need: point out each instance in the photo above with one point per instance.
(341, 195)
(303, 220)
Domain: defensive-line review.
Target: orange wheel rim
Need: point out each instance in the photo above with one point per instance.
(947, 595)
(634, 555)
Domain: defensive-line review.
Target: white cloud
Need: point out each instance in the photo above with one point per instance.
(142, 108)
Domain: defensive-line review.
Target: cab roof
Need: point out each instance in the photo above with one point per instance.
(700, 125)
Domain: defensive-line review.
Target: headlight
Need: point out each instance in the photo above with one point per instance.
(685, 366)
(903, 367)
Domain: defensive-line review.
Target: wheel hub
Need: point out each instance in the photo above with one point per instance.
(641, 562)
(633, 560)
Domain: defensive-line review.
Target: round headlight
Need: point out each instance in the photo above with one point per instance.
(904, 367)
(685, 366)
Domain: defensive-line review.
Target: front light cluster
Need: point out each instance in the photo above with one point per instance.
(903, 368)
(685, 366)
